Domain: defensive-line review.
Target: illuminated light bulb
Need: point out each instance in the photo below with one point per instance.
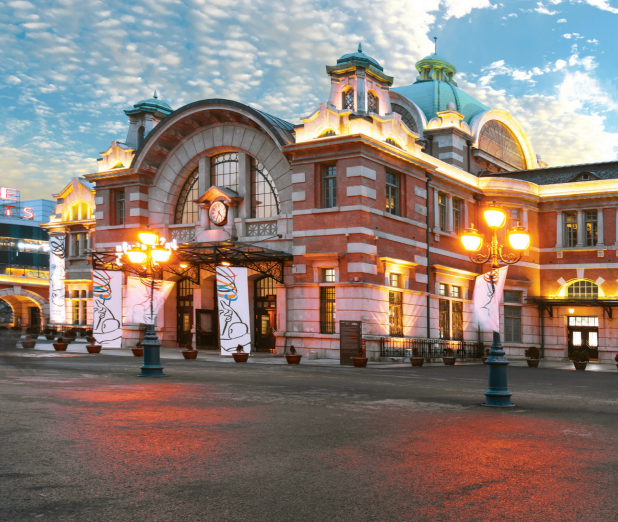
(225, 263)
(519, 239)
(571, 310)
(495, 217)
(148, 238)
(471, 239)
(183, 265)
(136, 255)
(160, 255)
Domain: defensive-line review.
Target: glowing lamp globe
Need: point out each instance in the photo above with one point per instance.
(495, 216)
(160, 255)
(136, 255)
(471, 239)
(519, 239)
(148, 238)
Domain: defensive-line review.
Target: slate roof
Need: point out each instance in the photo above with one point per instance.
(564, 174)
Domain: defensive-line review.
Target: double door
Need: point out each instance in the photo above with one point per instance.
(264, 329)
(584, 338)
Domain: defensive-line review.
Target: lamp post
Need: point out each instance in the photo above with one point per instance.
(145, 260)
(498, 394)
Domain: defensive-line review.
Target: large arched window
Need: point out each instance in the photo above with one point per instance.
(264, 195)
(186, 208)
(347, 99)
(406, 117)
(582, 290)
(224, 170)
(497, 140)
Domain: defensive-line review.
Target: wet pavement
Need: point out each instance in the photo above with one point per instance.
(84, 439)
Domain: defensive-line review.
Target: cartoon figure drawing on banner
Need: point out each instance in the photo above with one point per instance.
(104, 320)
(233, 331)
(57, 272)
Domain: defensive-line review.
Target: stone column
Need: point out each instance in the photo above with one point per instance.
(581, 229)
(465, 222)
(524, 218)
(449, 213)
(361, 94)
(203, 175)
(204, 217)
(559, 229)
(436, 212)
(600, 228)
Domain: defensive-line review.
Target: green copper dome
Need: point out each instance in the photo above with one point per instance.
(359, 56)
(153, 105)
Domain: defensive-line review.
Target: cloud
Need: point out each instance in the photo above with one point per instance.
(543, 10)
(575, 36)
(561, 21)
(603, 5)
(499, 68)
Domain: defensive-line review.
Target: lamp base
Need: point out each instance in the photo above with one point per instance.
(152, 356)
(498, 394)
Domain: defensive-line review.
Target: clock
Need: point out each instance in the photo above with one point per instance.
(218, 213)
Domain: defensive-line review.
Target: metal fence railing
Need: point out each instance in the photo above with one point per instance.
(429, 348)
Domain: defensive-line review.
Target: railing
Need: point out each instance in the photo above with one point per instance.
(262, 228)
(183, 235)
(429, 348)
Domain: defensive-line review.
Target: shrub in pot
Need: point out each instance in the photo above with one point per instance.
(239, 355)
(580, 359)
(50, 334)
(33, 332)
(360, 361)
(449, 357)
(60, 345)
(138, 351)
(189, 352)
(28, 342)
(293, 357)
(415, 359)
(89, 332)
(16, 332)
(93, 347)
(533, 355)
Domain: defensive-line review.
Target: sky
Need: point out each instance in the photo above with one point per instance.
(68, 68)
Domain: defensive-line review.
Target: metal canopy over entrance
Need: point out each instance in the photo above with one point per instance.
(549, 303)
(189, 258)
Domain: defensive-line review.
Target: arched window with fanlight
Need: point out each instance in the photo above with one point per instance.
(79, 211)
(347, 99)
(373, 103)
(406, 117)
(264, 194)
(582, 290)
(186, 209)
(498, 140)
(224, 170)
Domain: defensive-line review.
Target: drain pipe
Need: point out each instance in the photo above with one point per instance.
(479, 268)
(429, 178)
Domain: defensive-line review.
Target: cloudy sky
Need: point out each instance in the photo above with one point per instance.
(69, 67)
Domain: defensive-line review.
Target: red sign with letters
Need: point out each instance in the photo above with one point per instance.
(10, 194)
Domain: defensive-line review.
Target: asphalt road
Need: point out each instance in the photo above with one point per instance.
(84, 439)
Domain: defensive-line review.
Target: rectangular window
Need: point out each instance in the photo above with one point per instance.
(457, 319)
(84, 312)
(75, 312)
(570, 229)
(456, 291)
(327, 309)
(442, 211)
(119, 204)
(329, 186)
(392, 193)
(442, 289)
(395, 314)
(328, 275)
(591, 228)
(76, 242)
(511, 296)
(457, 204)
(394, 280)
(512, 324)
(445, 319)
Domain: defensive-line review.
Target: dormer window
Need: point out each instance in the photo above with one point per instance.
(392, 142)
(327, 134)
(373, 103)
(347, 101)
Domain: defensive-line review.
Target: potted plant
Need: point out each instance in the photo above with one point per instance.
(16, 332)
(239, 355)
(89, 332)
(28, 343)
(580, 359)
(533, 355)
(33, 331)
(6, 337)
(60, 345)
(449, 357)
(190, 353)
(93, 347)
(360, 361)
(138, 351)
(49, 334)
(70, 335)
(293, 357)
(415, 359)
(616, 359)
(486, 356)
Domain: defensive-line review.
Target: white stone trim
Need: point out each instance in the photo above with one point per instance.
(361, 190)
(359, 170)
(363, 267)
(138, 196)
(362, 248)
(139, 212)
(298, 177)
(298, 196)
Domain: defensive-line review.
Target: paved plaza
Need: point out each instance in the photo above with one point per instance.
(84, 439)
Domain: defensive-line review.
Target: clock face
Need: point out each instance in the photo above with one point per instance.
(218, 213)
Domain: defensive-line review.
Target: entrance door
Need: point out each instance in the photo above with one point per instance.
(265, 306)
(584, 333)
(206, 330)
(35, 317)
(184, 311)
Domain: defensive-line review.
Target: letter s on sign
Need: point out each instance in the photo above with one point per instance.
(28, 214)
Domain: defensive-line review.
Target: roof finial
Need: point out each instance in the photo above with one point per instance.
(360, 47)
(435, 45)
(155, 95)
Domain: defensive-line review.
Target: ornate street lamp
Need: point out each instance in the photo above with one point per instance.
(145, 259)
(498, 394)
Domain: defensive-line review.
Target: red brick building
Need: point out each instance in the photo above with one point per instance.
(369, 195)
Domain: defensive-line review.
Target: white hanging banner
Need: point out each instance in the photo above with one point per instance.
(107, 307)
(233, 303)
(137, 300)
(487, 300)
(57, 312)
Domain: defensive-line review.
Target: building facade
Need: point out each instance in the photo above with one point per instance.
(361, 204)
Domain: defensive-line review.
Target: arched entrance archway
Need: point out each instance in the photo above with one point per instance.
(29, 308)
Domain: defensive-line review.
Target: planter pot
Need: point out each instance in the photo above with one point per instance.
(138, 352)
(34, 335)
(293, 359)
(189, 354)
(580, 365)
(93, 348)
(533, 363)
(15, 335)
(28, 344)
(485, 357)
(359, 362)
(449, 361)
(50, 337)
(240, 357)
(60, 347)
(417, 361)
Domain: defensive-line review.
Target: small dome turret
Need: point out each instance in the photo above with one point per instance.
(434, 67)
(152, 105)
